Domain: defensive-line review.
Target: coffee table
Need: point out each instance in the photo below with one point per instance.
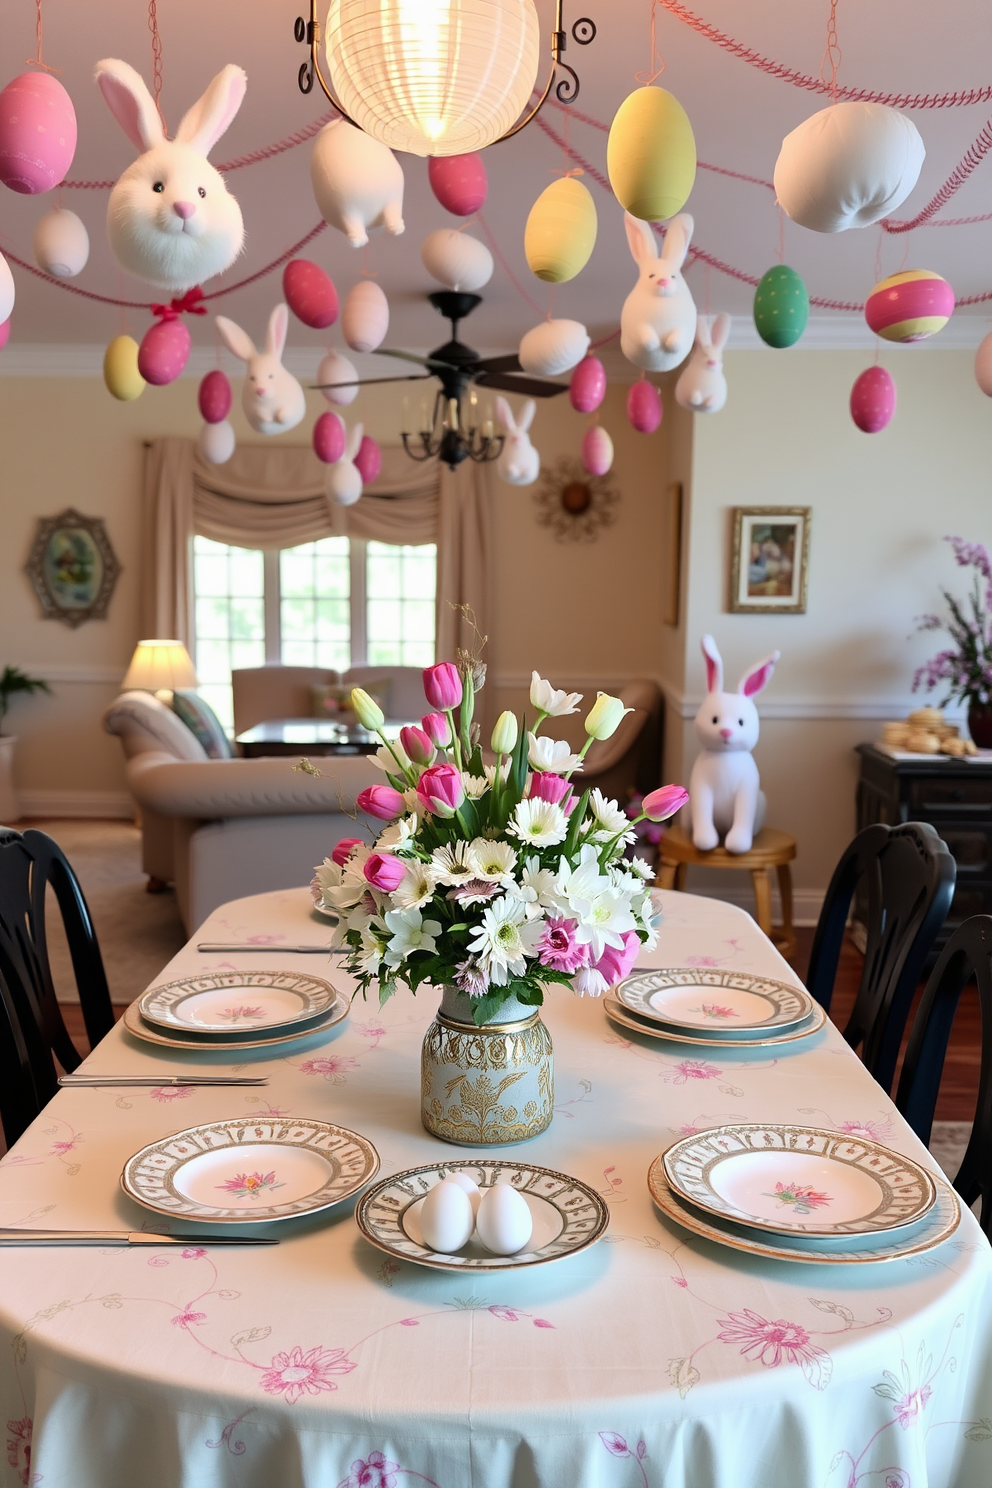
(317, 736)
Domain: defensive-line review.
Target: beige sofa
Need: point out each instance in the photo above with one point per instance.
(284, 691)
(221, 829)
(631, 760)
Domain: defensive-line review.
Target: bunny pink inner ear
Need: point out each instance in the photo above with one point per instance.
(714, 665)
(130, 103)
(203, 125)
(278, 329)
(758, 677)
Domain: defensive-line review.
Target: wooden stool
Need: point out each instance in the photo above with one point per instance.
(770, 849)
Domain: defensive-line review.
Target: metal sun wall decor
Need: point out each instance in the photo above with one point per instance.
(573, 503)
(73, 567)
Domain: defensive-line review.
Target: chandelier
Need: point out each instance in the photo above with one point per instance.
(436, 77)
(451, 437)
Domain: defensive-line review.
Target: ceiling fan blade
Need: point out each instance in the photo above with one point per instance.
(368, 381)
(500, 364)
(409, 356)
(528, 387)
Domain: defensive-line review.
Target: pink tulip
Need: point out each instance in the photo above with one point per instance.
(418, 746)
(344, 850)
(660, 804)
(384, 872)
(440, 790)
(381, 801)
(443, 685)
(435, 726)
(615, 963)
(547, 787)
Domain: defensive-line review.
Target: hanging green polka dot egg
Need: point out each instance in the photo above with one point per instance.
(781, 307)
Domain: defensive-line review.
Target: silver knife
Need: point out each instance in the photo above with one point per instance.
(133, 1081)
(123, 1237)
(209, 949)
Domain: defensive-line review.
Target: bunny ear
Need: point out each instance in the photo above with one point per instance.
(235, 339)
(130, 103)
(640, 238)
(703, 333)
(714, 664)
(759, 675)
(678, 236)
(275, 336)
(206, 121)
(505, 415)
(527, 416)
(721, 330)
(355, 441)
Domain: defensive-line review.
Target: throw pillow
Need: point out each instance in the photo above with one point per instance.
(334, 701)
(202, 722)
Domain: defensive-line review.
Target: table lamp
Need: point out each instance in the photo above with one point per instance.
(160, 667)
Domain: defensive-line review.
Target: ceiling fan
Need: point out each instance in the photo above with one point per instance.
(450, 435)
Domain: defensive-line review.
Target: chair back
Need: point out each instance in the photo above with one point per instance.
(907, 875)
(966, 956)
(265, 692)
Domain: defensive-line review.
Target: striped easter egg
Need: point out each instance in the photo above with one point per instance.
(910, 306)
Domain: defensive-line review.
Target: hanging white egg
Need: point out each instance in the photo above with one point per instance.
(456, 260)
(6, 289)
(553, 347)
(365, 316)
(983, 366)
(216, 442)
(61, 244)
(336, 368)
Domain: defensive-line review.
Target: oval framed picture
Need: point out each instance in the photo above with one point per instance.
(73, 567)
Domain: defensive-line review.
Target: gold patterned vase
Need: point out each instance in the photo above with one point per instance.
(487, 1086)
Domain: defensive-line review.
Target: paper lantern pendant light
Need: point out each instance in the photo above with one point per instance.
(433, 77)
(909, 306)
(781, 307)
(873, 400)
(561, 231)
(651, 155)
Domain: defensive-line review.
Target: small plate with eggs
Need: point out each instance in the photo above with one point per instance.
(481, 1214)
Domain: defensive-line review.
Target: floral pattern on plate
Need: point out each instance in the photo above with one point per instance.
(202, 1006)
(671, 996)
(617, 1013)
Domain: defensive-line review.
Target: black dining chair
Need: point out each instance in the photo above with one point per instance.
(966, 957)
(32, 1030)
(907, 877)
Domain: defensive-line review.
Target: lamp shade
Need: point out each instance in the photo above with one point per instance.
(160, 666)
(433, 77)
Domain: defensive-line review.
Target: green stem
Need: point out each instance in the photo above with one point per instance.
(455, 745)
(403, 770)
(541, 716)
(582, 754)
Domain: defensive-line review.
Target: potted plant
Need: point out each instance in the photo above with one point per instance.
(12, 682)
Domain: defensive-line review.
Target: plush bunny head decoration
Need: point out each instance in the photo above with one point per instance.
(343, 479)
(728, 721)
(724, 794)
(170, 218)
(519, 463)
(658, 321)
(702, 387)
(272, 398)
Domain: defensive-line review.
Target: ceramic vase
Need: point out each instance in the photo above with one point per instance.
(980, 724)
(10, 806)
(489, 1086)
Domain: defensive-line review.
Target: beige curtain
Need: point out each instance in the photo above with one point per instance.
(272, 496)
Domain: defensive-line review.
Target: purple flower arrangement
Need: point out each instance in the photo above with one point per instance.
(966, 668)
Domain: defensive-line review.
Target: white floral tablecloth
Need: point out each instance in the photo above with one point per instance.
(650, 1361)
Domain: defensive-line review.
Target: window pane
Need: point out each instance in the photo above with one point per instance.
(400, 584)
(315, 585)
(228, 583)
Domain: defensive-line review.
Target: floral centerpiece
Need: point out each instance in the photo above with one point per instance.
(966, 667)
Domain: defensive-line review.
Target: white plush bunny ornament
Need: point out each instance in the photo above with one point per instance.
(271, 397)
(170, 218)
(658, 320)
(724, 795)
(702, 387)
(519, 463)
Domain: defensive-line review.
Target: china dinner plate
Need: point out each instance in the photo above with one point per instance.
(135, 1024)
(239, 1172)
(936, 1227)
(237, 1004)
(800, 1180)
(721, 1004)
(567, 1214)
(616, 1011)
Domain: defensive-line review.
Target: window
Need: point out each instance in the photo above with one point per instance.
(334, 603)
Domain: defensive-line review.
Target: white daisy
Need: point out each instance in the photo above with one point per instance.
(475, 785)
(603, 911)
(327, 875)
(551, 754)
(539, 823)
(536, 888)
(399, 837)
(493, 861)
(452, 863)
(369, 958)
(504, 940)
(607, 814)
(587, 982)
(409, 932)
(417, 887)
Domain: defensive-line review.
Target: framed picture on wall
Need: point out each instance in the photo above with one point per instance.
(73, 567)
(770, 559)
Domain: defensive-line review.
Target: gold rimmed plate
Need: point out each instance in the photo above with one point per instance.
(222, 1005)
(617, 1013)
(568, 1215)
(724, 1005)
(136, 1025)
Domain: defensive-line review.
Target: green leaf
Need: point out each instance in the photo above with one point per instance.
(487, 1005)
(575, 823)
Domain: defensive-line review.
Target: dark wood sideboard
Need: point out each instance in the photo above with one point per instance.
(955, 797)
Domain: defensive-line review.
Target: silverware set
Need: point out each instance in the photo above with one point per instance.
(123, 1237)
(207, 948)
(94, 1082)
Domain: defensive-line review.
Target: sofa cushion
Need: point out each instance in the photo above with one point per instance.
(198, 716)
(145, 725)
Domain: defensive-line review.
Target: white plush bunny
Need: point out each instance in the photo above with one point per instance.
(702, 388)
(357, 182)
(170, 218)
(343, 479)
(519, 463)
(724, 795)
(272, 398)
(658, 320)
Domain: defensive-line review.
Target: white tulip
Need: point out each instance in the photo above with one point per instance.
(549, 701)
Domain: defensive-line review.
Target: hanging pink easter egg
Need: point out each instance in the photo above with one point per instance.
(873, 400)
(164, 352)
(365, 317)
(310, 293)
(214, 397)
(587, 389)
(4, 333)
(459, 182)
(368, 461)
(329, 438)
(37, 133)
(644, 407)
(597, 450)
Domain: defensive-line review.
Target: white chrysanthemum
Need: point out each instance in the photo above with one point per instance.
(493, 861)
(587, 982)
(409, 932)
(400, 836)
(536, 888)
(369, 958)
(603, 912)
(549, 700)
(539, 823)
(352, 889)
(641, 867)
(452, 863)
(504, 940)
(475, 785)
(491, 772)
(607, 814)
(327, 875)
(649, 916)
(554, 755)
(416, 887)
(386, 761)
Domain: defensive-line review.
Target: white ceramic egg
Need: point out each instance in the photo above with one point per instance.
(470, 1186)
(446, 1218)
(504, 1223)
(216, 442)
(365, 316)
(553, 347)
(337, 368)
(456, 260)
(61, 244)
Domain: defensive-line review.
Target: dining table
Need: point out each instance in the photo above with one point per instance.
(651, 1359)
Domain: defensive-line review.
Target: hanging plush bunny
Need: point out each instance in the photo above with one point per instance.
(658, 320)
(170, 218)
(272, 398)
(519, 463)
(702, 387)
(724, 794)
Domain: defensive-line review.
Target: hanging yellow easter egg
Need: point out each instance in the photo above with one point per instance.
(561, 231)
(120, 369)
(651, 155)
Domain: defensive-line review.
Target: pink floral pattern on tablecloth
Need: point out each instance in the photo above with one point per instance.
(334, 1068)
(167, 1093)
(773, 1342)
(691, 1069)
(295, 1374)
(19, 1447)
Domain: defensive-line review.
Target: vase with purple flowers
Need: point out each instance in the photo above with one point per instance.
(965, 668)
